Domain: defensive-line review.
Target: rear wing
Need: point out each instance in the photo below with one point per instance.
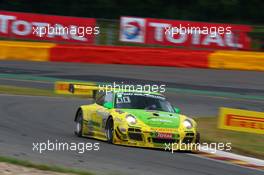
(88, 89)
(75, 88)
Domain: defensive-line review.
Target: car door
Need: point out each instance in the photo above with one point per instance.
(101, 114)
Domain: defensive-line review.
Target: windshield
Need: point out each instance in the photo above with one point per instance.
(142, 101)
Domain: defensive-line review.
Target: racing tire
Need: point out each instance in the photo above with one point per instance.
(110, 130)
(198, 138)
(79, 124)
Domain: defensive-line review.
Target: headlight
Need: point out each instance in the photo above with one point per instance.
(187, 124)
(131, 119)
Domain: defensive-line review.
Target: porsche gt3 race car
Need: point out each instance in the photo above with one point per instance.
(132, 118)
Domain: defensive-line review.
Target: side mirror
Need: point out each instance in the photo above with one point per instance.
(108, 105)
(177, 110)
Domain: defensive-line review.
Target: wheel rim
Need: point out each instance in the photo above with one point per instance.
(79, 124)
(78, 127)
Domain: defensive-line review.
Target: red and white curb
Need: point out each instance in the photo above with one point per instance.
(232, 158)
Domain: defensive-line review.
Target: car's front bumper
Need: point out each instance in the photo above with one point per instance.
(139, 137)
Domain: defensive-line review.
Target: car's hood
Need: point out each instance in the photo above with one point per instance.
(156, 118)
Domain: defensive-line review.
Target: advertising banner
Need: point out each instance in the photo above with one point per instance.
(184, 33)
(47, 27)
(241, 120)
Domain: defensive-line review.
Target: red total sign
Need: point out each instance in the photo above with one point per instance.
(185, 33)
(53, 28)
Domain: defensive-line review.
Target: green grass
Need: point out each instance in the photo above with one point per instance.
(31, 91)
(42, 166)
(25, 91)
(248, 144)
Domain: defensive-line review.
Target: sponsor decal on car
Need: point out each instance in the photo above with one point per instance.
(164, 135)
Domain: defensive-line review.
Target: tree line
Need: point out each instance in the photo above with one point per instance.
(229, 11)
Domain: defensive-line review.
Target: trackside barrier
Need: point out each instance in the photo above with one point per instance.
(39, 51)
(31, 51)
(75, 88)
(130, 55)
(241, 120)
(240, 60)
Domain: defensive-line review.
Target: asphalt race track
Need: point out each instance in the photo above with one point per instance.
(209, 79)
(26, 119)
(239, 82)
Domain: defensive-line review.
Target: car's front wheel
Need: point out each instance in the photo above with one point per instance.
(79, 124)
(110, 130)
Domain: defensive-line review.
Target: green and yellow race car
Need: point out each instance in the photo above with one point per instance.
(132, 118)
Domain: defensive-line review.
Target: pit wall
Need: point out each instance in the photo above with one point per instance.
(219, 59)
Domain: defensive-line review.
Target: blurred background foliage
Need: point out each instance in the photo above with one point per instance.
(229, 11)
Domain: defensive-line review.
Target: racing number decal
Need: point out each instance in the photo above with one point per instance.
(124, 99)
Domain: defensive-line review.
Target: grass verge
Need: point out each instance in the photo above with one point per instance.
(42, 166)
(31, 91)
(25, 91)
(243, 143)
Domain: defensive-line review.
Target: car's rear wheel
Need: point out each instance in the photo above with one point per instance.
(198, 138)
(110, 130)
(79, 124)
